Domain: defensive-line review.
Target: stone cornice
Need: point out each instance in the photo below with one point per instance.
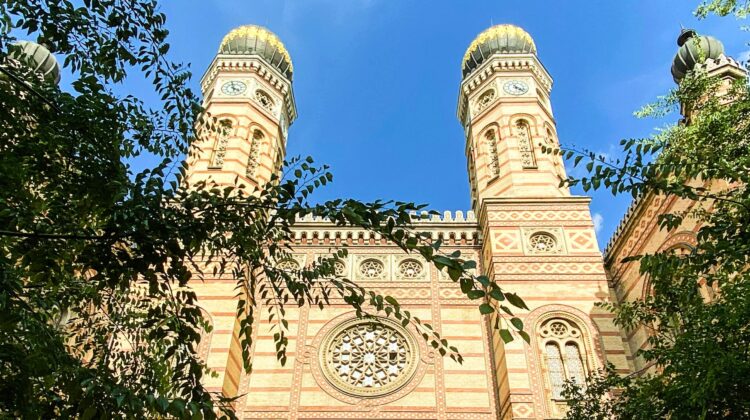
(244, 63)
(720, 65)
(500, 63)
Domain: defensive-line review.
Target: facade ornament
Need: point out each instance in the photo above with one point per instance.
(525, 147)
(253, 157)
(220, 150)
(484, 100)
(369, 358)
(264, 100)
(493, 160)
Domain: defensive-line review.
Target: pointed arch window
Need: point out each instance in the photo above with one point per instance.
(253, 157)
(220, 146)
(206, 332)
(525, 146)
(264, 99)
(564, 354)
(493, 163)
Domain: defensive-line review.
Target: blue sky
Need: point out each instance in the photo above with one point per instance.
(376, 81)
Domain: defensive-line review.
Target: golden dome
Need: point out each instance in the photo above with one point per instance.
(257, 40)
(504, 39)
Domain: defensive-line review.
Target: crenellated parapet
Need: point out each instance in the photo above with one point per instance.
(452, 228)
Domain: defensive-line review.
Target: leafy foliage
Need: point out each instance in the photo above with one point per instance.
(97, 313)
(698, 312)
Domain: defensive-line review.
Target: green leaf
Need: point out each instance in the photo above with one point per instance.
(486, 308)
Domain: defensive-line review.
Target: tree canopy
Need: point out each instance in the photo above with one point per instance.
(97, 313)
(697, 359)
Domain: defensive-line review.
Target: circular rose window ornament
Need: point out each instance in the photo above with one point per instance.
(368, 357)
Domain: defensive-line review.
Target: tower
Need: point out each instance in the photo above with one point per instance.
(248, 89)
(505, 109)
(538, 239)
(637, 233)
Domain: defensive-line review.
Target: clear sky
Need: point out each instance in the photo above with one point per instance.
(376, 81)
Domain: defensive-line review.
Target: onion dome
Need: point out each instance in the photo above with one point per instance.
(499, 39)
(40, 58)
(257, 40)
(693, 50)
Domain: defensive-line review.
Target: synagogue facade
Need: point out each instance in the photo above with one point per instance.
(526, 232)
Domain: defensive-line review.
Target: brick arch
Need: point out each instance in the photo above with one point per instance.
(685, 238)
(227, 116)
(533, 121)
(204, 346)
(682, 239)
(488, 153)
(592, 342)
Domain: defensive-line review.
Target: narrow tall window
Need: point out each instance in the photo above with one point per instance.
(555, 369)
(220, 147)
(564, 354)
(253, 157)
(492, 160)
(550, 142)
(525, 146)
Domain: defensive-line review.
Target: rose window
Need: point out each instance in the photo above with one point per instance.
(288, 265)
(339, 269)
(542, 243)
(369, 358)
(371, 269)
(558, 328)
(410, 269)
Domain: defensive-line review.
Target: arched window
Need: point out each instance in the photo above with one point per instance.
(485, 99)
(253, 157)
(525, 146)
(492, 160)
(564, 352)
(264, 99)
(206, 332)
(220, 147)
(549, 141)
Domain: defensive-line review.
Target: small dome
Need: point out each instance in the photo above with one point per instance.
(693, 50)
(503, 39)
(41, 59)
(257, 40)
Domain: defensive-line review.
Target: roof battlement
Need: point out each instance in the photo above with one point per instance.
(421, 218)
(453, 228)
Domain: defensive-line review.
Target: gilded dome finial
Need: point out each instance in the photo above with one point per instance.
(503, 39)
(257, 40)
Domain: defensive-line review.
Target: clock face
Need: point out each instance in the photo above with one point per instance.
(235, 87)
(515, 87)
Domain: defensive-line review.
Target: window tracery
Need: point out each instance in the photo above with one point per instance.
(369, 358)
(525, 146)
(253, 157)
(371, 269)
(288, 265)
(485, 99)
(410, 269)
(493, 161)
(264, 100)
(542, 243)
(339, 269)
(220, 147)
(564, 354)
